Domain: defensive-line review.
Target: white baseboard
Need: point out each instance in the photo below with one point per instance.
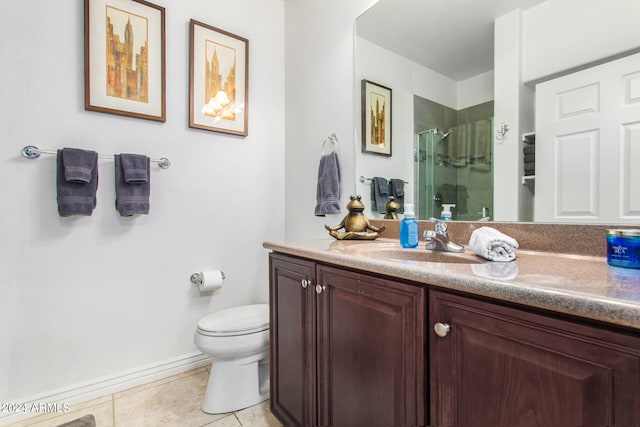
(109, 384)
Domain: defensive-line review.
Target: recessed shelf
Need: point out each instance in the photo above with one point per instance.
(528, 179)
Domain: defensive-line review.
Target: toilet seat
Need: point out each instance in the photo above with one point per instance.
(243, 320)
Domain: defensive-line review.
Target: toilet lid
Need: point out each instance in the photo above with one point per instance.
(244, 319)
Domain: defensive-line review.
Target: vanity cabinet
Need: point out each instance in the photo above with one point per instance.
(347, 348)
(492, 365)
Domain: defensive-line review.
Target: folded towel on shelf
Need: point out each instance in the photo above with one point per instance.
(379, 194)
(493, 245)
(529, 158)
(396, 189)
(132, 198)
(328, 187)
(529, 149)
(529, 166)
(76, 195)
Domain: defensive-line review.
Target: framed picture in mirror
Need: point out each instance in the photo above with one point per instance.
(376, 118)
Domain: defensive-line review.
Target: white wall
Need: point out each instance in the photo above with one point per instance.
(507, 189)
(320, 99)
(475, 90)
(86, 298)
(560, 35)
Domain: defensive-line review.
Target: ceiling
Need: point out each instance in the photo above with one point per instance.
(451, 37)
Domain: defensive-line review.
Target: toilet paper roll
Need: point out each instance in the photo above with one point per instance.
(210, 280)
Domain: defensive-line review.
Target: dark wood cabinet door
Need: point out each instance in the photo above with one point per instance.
(371, 361)
(500, 366)
(292, 335)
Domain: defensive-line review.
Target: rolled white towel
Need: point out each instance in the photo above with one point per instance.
(493, 245)
(496, 270)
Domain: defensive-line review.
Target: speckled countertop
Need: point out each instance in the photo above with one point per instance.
(579, 285)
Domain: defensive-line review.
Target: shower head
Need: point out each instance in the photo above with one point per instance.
(443, 135)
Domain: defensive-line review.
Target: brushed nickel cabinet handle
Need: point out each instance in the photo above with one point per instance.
(319, 289)
(305, 283)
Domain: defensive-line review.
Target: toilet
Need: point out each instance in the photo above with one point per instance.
(237, 339)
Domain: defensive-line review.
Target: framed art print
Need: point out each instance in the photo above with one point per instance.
(125, 58)
(376, 118)
(219, 85)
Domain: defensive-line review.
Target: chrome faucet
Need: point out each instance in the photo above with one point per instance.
(438, 239)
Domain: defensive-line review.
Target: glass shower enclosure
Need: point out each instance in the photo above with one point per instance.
(454, 167)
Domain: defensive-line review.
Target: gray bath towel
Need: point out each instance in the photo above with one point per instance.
(396, 189)
(76, 196)
(328, 189)
(132, 198)
(379, 194)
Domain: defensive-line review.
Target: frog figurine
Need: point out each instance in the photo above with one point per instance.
(355, 224)
(392, 207)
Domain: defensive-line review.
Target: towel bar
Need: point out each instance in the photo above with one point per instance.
(33, 152)
(363, 179)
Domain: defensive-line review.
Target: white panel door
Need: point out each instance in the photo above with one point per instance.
(588, 145)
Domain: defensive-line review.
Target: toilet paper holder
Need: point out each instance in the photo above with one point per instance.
(197, 279)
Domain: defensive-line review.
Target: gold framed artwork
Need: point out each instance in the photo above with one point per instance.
(376, 118)
(219, 80)
(125, 58)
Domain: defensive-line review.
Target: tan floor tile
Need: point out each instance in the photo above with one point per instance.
(257, 416)
(167, 403)
(101, 409)
(228, 421)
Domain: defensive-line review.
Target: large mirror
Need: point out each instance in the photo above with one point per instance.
(463, 76)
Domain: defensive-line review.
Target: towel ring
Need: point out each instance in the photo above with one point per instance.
(333, 139)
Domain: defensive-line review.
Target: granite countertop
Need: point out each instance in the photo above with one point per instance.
(579, 285)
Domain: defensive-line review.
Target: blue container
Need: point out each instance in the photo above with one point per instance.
(409, 228)
(623, 248)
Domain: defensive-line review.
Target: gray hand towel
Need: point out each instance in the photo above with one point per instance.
(328, 189)
(76, 197)
(135, 168)
(396, 189)
(78, 164)
(379, 194)
(131, 198)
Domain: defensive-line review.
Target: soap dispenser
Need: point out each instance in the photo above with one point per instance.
(409, 228)
(446, 211)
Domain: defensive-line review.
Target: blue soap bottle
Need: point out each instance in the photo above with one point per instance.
(409, 228)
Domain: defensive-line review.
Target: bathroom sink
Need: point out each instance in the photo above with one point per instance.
(396, 252)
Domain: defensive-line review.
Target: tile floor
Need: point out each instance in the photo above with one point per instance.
(169, 402)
